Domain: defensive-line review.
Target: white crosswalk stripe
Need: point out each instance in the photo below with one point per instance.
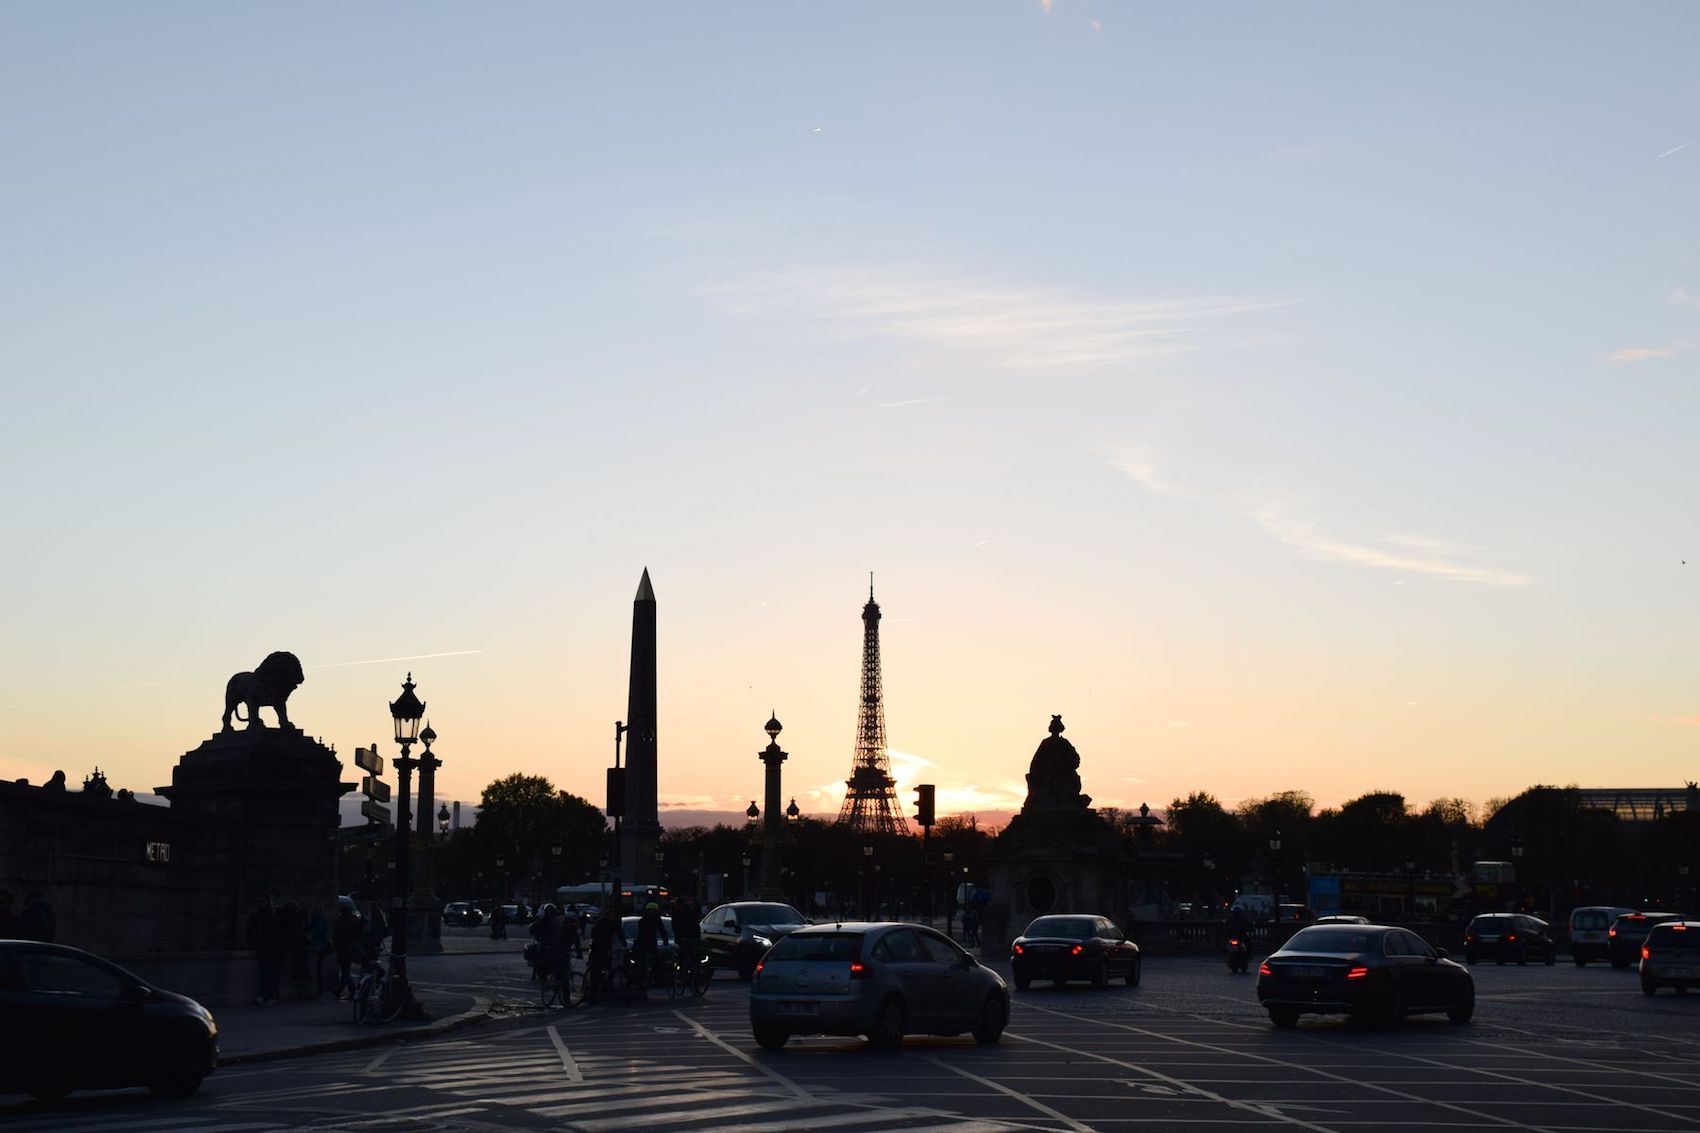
(177, 1123)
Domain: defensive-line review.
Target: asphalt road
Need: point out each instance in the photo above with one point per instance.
(1559, 1048)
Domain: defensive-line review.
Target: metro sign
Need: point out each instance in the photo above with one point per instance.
(375, 789)
(376, 811)
(368, 760)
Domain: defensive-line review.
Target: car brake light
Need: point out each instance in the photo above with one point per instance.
(1357, 973)
(1076, 950)
(1263, 969)
(1233, 942)
(1643, 952)
(1510, 936)
(1019, 949)
(1679, 928)
(1611, 931)
(759, 966)
(859, 971)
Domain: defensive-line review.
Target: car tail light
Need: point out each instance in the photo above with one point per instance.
(1020, 949)
(1263, 969)
(1076, 950)
(859, 971)
(1357, 973)
(1611, 931)
(1233, 942)
(1644, 952)
(759, 966)
(1469, 936)
(1679, 928)
(1510, 936)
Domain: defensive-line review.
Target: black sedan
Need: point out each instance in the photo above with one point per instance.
(1073, 946)
(1365, 971)
(1517, 937)
(76, 1022)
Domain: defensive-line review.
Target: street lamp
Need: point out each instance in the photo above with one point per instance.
(443, 820)
(406, 711)
(752, 815)
(1275, 871)
(792, 814)
(746, 861)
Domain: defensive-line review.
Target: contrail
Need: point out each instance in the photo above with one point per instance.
(1678, 149)
(392, 660)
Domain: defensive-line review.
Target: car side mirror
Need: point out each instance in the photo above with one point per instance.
(138, 993)
(733, 925)
(1440, 953)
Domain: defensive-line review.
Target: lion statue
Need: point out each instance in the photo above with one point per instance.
(269, 685)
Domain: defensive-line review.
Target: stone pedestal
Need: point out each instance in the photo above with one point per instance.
(269, 796)
(1057, 855)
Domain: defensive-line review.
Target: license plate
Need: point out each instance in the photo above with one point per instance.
(1309, 973)
(798, 1008)
(1679, 973)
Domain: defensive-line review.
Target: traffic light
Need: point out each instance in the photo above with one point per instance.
(616, 792)
(924, 804)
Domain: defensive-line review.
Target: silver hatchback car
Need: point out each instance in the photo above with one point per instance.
(881, 979)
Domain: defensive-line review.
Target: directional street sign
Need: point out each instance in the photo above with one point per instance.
(368, 759)
(375, 811)
(375, 789)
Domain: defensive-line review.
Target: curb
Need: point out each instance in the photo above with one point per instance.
(477, 1013)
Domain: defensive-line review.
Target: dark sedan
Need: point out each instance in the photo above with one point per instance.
(1365, 971)
(1517, 937)
(76, 1022)
(1628, 932)
(1075, 946)
(1671, 957)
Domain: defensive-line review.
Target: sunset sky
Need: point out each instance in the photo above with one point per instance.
(1291, 396)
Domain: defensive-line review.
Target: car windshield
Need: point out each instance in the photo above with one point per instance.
(1491, 924)
(839, 946)
(1339, 941)
(1073, 928)
(1589, 919)
(769, 914)
(1672, 936)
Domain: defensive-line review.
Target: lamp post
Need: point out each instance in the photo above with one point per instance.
(746, 879)
(406, 711)
(1517, 869)
(1275, 874)
(772, 831)
(867, 863)
(443, 820)
(950, 889)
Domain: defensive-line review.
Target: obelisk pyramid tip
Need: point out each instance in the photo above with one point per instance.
(646, 593)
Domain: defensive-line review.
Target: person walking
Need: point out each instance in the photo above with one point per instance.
(265, 938)
(499, 923)
(345, 939)
(318, 947)
(651, 935)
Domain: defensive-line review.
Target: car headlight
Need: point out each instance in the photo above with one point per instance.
(760, 940)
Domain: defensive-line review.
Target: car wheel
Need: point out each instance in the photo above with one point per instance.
(1283, 1017)
(1060, 981)
(1133, 973)
(887, 1033)
(1552, 955)
(746, 967)
(1522, 957)
(1648, 987)
(1393, 1005)
(1580, 961)
(771, 1038)
(1469, 957)
(1461, 1012)
(994, 1014)
(1022, 983)
(1101, 978)
(176, 1085)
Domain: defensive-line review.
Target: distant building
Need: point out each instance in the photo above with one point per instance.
(1641, 804)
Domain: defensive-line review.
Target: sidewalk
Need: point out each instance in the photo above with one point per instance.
(314, 1026)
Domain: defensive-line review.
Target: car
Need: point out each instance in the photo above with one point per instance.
(92, 1025)
(1073, 946)
(1628, 932)
(736, 934)
(1590, 932)
(1341, 918)
(1509, 936)
(1670, 956)
(1363, 971)
(881, 979)
(462, 913)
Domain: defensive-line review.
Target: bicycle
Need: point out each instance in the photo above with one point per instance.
(377, 999)
(692, 971)
(606, 980)
(561, 981)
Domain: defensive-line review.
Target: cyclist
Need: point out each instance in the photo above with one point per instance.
(651, 934)
(605, 940)
(687, 931)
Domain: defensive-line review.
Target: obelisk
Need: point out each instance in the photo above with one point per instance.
(640, 832)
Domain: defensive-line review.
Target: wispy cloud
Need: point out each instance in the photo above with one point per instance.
(1015, 327)
(1386, 554)
(1677, 149)
(902, 404)
(396, 660)
(1400, 551)
(1640, 353)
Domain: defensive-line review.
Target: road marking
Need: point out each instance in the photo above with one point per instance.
(1300, 1068)
(646, 1120)
(567, 1062)
(861, 1117)
(372, 1066)
(1024, 1099)
(797, 1091)
(649, 1100)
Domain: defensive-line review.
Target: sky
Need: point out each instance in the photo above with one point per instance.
(1290, 396)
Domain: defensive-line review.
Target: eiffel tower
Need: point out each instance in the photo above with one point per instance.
(870, 798)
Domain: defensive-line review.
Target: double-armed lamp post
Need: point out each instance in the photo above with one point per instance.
(406, 710)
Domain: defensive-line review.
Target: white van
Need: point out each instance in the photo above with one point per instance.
(1590, 929)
